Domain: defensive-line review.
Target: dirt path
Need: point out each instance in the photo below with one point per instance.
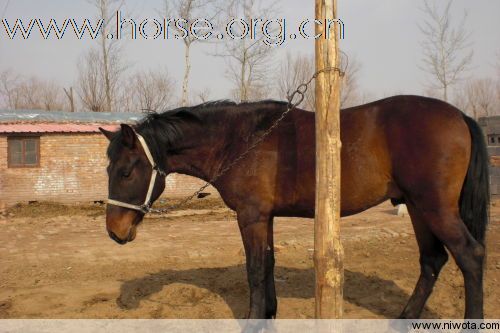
(191, 265)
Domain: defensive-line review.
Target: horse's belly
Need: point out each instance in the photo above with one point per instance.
(356, 197)
(365, 183)
(355, 201)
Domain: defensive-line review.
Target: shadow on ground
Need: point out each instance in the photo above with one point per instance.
(381, 297)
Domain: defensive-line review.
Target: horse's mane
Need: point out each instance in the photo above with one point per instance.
(164, 131)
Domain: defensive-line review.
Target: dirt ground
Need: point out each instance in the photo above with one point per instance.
(58, 262)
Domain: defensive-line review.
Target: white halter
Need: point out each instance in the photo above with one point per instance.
(146, 206)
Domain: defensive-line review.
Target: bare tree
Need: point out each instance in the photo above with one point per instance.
(30, 93)
(71, 98)
(460, 99)
(444, 46)
(152, 90)
(189, 10)
(481, 97)
(248, 60)
(90, 84)
(203, 95)
(299, 69)
(294, 72)
(51, 96)
(106, 50)
(477, 98)
(109, 50)
(9, 82)
(128, 97)
(432, 93)
(349, 89)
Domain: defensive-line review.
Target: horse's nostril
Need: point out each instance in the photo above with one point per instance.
(115, 238)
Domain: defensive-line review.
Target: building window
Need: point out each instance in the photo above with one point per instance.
(493, 140)
(24, 152)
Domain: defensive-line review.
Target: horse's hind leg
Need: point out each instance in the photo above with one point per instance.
(433, 256)
(468, 253)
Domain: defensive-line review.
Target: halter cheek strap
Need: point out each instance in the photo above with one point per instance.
(146, 206)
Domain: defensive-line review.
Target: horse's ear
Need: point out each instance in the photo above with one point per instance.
(128, 135)
(108, 134)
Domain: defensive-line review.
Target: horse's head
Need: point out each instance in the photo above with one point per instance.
(130, 172)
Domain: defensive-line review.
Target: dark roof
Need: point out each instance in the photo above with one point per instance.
(38, 116)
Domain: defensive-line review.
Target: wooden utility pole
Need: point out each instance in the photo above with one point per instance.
(328, 251)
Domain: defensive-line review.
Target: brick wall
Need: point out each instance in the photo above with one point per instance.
(494, 153)
(72, 169)
(491, 130)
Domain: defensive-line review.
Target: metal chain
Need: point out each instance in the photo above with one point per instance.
(300, 91)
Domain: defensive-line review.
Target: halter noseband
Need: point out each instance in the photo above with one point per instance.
(146, 206)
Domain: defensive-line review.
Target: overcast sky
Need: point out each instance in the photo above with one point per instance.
(382, 35)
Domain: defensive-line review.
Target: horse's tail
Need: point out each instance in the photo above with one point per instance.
(475, 196)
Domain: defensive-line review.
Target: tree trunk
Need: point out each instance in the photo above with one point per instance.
(71, 98)
(105, 56)
(187, 70)
(243, 81)
(328, 251)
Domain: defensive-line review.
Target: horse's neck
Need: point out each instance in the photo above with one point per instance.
(214, 145)
(202, 158)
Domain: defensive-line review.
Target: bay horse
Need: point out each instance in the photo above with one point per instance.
(414, 150)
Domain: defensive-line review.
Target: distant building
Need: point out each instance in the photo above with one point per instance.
(61, 157)
(491, 129)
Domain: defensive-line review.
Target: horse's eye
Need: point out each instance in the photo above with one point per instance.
(126, 174)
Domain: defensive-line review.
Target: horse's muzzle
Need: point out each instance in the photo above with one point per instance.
(121, 224)
(116, 239)
(130, 237)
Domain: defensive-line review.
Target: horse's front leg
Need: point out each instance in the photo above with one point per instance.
(256, 232)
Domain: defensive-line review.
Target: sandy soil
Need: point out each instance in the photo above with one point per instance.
(58, 262)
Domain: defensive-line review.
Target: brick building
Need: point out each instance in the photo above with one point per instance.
(491, 129)
(61, 157)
